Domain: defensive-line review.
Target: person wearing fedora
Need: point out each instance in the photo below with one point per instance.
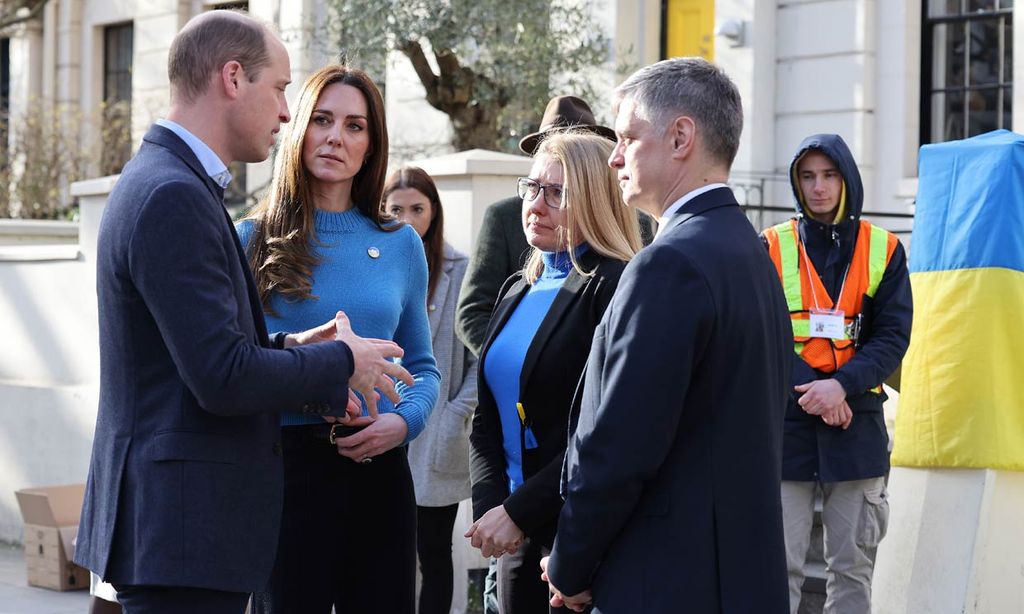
(501, 247)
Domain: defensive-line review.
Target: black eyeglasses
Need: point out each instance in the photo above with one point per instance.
(529, 189)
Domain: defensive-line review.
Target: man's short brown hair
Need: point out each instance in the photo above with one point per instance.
(210, 41)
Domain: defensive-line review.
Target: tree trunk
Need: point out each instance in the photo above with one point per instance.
(457, 93)
(475, 127)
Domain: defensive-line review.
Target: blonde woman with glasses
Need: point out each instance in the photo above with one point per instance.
(534, 352)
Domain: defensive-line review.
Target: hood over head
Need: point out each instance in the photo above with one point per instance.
(851, 200)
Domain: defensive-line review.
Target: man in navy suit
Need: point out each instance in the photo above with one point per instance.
(183, 500)
(672, 477)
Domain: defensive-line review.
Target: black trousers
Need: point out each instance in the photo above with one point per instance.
(434, 527)
(348, 533)
(136, 599)
(520, 589)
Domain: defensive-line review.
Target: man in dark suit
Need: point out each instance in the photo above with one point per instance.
(672, 477)
(183, 500)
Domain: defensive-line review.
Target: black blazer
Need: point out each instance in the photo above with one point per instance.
(673, 474)
(185, 482)
(550, 374)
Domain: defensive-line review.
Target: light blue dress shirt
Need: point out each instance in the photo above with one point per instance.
(211, 162)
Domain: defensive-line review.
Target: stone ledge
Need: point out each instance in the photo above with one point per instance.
(38, 253)
(30, 229)
(94, 187)
(475, 162)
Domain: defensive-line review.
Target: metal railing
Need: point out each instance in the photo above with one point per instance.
(752, 192)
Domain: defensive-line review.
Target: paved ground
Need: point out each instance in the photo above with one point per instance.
(17, 597)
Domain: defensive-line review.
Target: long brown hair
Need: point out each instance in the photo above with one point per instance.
(594, 210)
(417, 179)
(284, 222)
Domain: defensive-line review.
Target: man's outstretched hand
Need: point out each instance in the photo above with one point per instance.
(373, 369)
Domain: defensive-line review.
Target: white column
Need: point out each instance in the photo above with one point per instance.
(92, 199)
(955, 543)
(468, 182)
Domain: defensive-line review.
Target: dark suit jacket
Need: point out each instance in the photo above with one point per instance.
(673, 474)
(501, 250)
(185, 481)
(550, 374)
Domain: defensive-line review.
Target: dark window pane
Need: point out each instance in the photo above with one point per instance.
(983, 111)
(980, 5)
(948, 64)
(117, 93)
(984, 51)
(947, 117)
(1007, 51)
(1006, 4)
(1007, 108)
(939, 8)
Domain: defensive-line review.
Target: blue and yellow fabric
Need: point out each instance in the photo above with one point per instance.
(962, 397)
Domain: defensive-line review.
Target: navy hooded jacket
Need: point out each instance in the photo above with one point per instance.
(813, 450)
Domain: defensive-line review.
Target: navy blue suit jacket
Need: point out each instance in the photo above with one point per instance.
(185, 482)
(673, 474)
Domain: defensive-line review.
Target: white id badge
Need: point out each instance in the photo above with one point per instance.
(827, 324)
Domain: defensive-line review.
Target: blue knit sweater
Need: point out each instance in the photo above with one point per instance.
(505, 358)
(383, 296)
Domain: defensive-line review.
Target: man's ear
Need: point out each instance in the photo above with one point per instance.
(231, 75)
(683, 133)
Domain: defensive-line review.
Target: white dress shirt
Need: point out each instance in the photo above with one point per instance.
(676, 206)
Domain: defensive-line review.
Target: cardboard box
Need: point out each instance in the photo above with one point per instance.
(51, 523)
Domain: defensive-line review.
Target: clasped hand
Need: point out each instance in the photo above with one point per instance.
(826, 398)
(495, 533)
(576, 603)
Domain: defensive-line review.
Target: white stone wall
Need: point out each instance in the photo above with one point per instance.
(48, 374)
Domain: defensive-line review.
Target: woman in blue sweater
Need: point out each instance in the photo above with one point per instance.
(534, 352)
(317, 244)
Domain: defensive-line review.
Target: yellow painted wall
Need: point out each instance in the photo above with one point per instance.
(690, 28)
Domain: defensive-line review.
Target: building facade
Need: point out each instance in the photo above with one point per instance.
(887, 75)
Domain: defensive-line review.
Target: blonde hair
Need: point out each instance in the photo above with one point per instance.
(594, 210)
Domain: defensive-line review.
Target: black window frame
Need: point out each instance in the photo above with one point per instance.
(1002, 13)
(118, 64)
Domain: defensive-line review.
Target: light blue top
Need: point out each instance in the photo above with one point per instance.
(211, 162)
(379, 279)
(503, 364)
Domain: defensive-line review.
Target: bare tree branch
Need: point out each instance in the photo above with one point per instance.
(414, 51)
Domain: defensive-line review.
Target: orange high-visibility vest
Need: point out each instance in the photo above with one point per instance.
(804, 290)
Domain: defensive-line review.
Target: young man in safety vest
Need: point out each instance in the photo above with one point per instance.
(848, 291)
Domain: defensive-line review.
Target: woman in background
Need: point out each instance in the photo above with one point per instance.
(317, 244)
(534, 353)
(439, 457)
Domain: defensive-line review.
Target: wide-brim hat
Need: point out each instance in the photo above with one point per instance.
(564, 113)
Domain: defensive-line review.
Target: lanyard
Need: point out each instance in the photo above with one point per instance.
(807, 265)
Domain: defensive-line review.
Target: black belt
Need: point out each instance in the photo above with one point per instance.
(323, 433)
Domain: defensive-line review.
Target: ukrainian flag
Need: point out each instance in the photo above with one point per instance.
(962, 393)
